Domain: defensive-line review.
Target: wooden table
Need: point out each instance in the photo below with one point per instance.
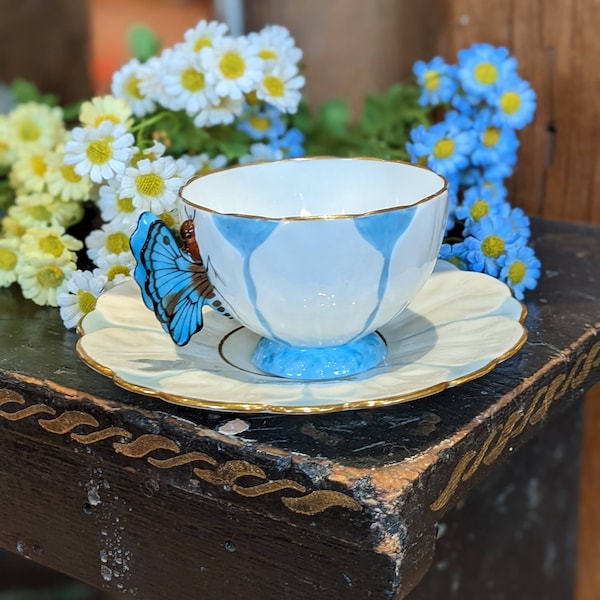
(469, 494)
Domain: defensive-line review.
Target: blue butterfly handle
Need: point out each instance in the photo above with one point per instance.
(173, 286)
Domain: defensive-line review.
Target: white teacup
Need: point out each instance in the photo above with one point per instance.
(314, 254)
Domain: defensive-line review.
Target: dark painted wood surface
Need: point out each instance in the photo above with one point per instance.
(132, 494)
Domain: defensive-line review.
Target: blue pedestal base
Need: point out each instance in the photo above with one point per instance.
(330, 362)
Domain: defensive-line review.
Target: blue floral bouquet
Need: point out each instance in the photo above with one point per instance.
(484, 103)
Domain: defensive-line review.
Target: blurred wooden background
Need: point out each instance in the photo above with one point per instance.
(351, 47)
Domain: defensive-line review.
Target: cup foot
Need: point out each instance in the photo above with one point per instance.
(331, 362)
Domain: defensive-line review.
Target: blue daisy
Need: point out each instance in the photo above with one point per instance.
(447, 145)
(482, 66)
(454, 253)
(520, 270)
(290, 143)
(417, 148)
(437, 81)
(262, 123)
(515, 103)
(496, 144)
(520, 223)
(478, 202)
(488, 240)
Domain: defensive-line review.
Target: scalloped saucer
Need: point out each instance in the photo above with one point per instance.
(459, 327)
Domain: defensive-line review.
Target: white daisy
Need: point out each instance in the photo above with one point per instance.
(126, 84)
(111, 238)
(151, 77)
(233, 66)
(276, 45)
(224, 112)
(261, 153)
(152, 185)
(204, 163)
(113, 205)
(115, 268)
(101, 152)
(185, 83)
(83, 289)
(203, 35)
(280, 87)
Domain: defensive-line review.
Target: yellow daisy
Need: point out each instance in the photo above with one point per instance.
(30, 167)
(105, 108)
(43, 279)
(40, 209)
(7, 150)
(62, 181)
(12, 228)
(33, 123)
(9, 260)
(46, 242)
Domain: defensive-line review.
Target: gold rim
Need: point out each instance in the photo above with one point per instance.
(436, 194)
(297, 410)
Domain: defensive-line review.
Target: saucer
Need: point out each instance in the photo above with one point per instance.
(458, 328)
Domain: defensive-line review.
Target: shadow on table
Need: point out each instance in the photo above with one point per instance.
(22, 579)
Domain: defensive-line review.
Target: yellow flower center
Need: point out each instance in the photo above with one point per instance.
(510, 102)
(517, 271)
(486, 73)
(456, 261)
(50, 276)
(106, 117)
(479, 209)
(39, 213)
(132, 87)
(117, 243)
(68, 174)
(125, 205)
(167, 219)
(491, 136)
(99, 152)
(51, 244)
(274, 85)
(259, 123)
(85, 301)
(202, 42)
(29, 131)
(150, 184)
(268, 54)
(444, 148)
(251, 98)
(431, 79)
(38, 165)
(232, 65)
(116, 270)
(192, 80)
(492, 246)
(8, 259)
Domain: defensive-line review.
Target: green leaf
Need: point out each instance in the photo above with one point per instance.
(143, 42)
(26, 91)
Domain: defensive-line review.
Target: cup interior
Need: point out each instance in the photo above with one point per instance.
(313, 188)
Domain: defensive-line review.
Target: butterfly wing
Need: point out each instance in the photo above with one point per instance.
(172, 284)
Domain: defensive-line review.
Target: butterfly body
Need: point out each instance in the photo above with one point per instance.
(173, 281)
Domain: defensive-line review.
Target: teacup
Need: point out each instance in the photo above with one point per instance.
(312, 254)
